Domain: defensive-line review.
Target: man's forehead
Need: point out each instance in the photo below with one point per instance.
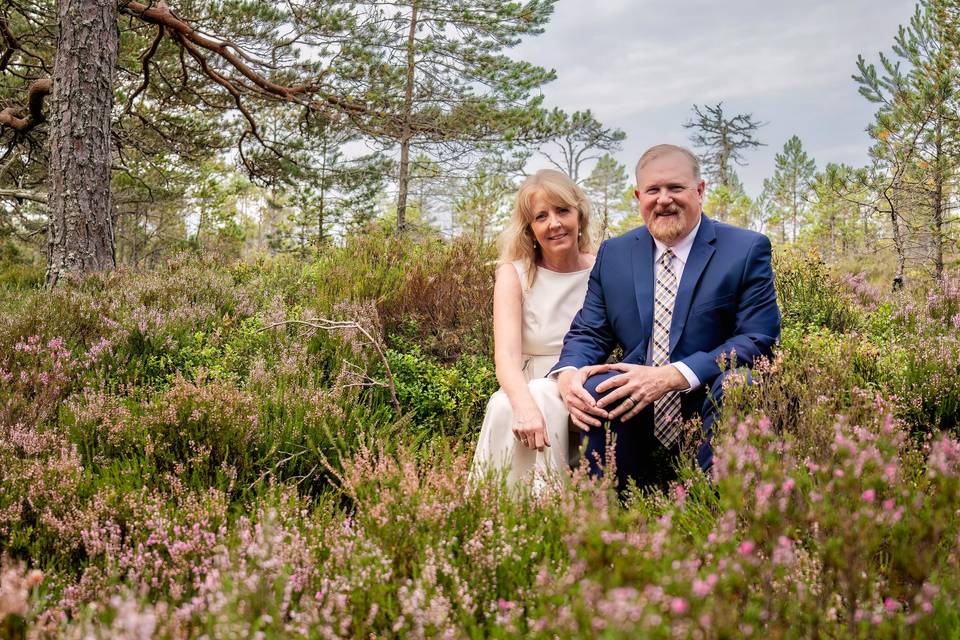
(668, 164)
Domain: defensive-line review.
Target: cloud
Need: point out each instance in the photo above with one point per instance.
(640, 66)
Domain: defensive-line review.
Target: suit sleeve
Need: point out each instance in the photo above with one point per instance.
(757, 325)
(590, 338)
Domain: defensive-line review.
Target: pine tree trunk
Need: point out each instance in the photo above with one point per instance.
(939, 177)
(406, 134)
(898, 243)
(80, 236)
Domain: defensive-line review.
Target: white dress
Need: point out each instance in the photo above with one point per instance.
(548, 309)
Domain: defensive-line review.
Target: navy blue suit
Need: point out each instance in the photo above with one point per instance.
(725, 302)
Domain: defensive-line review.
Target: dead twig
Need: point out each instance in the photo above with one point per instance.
(324, 324)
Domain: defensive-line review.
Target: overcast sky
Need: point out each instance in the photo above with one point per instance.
(641, 64)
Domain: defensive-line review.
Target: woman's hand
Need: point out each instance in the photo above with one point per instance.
(530, 429)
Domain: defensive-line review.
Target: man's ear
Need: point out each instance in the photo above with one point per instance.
(701, 188)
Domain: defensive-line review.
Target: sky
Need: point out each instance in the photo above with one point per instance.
(640, 66)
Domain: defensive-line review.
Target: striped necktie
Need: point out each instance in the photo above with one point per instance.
(666, 410)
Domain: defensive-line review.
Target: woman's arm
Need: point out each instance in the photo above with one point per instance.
(528, 423)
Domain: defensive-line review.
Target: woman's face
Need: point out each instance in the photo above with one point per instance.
(556, 228)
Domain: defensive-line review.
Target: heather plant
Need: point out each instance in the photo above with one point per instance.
(214, 451)
(445, 301)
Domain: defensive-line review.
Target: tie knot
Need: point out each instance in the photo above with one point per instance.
(667, 257)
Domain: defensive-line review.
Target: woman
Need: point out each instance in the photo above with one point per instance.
(545, 262)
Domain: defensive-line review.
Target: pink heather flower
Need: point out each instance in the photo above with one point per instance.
(680, 492)
(956, 321)
(700, 588)
(890, 604)
(679, 606)
(746, 548)
(869, 495)
(505, 605)
(888, 504)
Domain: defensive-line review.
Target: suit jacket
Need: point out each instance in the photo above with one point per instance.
(725, 302)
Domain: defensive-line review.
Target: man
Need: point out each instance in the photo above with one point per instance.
(679, 294)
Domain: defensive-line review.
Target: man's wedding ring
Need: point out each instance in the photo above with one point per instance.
(632, 401)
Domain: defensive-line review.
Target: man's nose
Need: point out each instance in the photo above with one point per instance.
(664, 196)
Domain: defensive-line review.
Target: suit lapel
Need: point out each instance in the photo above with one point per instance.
(643, 280)
(700, 254)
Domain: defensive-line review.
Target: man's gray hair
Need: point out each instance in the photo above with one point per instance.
(660, 150)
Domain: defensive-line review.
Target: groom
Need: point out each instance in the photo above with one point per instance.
(679, 294)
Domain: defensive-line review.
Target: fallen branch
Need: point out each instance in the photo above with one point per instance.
(349, 325)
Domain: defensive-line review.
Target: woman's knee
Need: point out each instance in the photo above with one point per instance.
(499, 402)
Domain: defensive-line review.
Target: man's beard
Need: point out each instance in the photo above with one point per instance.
(671, 228)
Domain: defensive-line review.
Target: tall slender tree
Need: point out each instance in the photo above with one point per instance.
(605, 186)
(916, 126)
(442, 82)
(790, 186)
(80, 235)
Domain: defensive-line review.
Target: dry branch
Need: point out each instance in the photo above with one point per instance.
(350, 325)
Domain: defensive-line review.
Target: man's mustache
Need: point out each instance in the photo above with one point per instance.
(667, 210)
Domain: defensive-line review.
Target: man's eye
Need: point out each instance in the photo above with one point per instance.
(676, 189)
(652, 192)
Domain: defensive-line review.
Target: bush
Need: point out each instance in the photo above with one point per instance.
(809, 294)
(449, 400)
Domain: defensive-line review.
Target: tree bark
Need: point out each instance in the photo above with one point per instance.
(407, 134)
(939, 178)
(80, 236)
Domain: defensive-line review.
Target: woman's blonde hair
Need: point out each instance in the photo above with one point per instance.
(517, 241)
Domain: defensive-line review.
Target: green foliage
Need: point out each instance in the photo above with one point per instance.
(605, 186)
(809, 295)
(446, 399)
(789, 188)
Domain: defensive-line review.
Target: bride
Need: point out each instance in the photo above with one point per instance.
(545, 261)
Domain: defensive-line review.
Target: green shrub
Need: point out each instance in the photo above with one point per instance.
(445, 399)
(809, 294)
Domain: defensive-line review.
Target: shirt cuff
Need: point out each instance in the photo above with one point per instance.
(555, 374)
(687, 373)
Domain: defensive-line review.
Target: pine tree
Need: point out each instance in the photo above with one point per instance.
(605, 187)
(729, 203)
(438, 78)
(790, 186)
(916, 154)
(723, 141)
(578, 138)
